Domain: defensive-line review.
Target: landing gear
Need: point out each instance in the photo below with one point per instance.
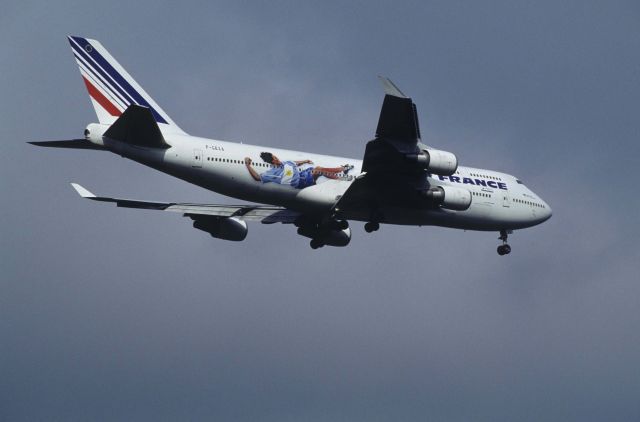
(325, 233)
(342, 225)
(316, 243)
(371, 226)
(504, 249)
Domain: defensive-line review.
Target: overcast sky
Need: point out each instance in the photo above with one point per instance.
(115, 314)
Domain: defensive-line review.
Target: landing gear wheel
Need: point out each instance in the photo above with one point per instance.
(315, 244)
(371, 226)
(504, 250)
(343, 225)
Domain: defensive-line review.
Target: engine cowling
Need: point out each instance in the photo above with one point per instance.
(436, 161)
(337, 237)
(442, 162)
(450, 197)
(226, 228)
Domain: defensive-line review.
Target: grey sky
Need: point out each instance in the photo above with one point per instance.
(109, 314)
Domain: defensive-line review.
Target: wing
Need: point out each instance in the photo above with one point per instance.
(397, 134)
(398, 120)
(389, 175)
(263, 213)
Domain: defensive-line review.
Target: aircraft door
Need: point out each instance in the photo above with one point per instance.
(506, 200)
(197, 158)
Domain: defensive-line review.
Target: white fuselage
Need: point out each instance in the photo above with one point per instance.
(499, 200)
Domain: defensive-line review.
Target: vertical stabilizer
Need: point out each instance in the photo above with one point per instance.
(111, 88)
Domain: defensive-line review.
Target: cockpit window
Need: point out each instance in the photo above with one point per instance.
(519, 182)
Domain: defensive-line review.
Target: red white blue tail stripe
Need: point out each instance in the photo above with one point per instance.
(110, 87)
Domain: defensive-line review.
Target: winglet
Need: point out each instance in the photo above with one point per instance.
(82, 191)
(390, 88)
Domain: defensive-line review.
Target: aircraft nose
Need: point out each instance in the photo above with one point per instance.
(547, 211)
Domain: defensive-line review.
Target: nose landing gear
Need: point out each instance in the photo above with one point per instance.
(504, 249)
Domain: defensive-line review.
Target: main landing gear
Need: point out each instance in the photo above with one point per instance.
(332, 233)
(316, 243)
(371, 226)
(504, 249)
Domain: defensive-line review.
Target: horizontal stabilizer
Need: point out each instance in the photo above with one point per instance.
(136, 126)
(70, 143)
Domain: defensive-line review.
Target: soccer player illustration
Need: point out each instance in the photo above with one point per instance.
(291, 173)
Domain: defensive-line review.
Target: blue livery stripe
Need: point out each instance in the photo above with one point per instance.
(102, 66)
(104, 76)
(115, 76)
(97, 85)
(97, 78)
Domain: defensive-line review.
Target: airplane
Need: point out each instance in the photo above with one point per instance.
(399, 181)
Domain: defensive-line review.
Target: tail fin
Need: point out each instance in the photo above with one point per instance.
(110, 87)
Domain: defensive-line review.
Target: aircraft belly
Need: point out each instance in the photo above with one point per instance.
(480, 218)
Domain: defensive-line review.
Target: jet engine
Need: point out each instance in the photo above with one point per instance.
(436, 161)
(227, 228)
(449, 197)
